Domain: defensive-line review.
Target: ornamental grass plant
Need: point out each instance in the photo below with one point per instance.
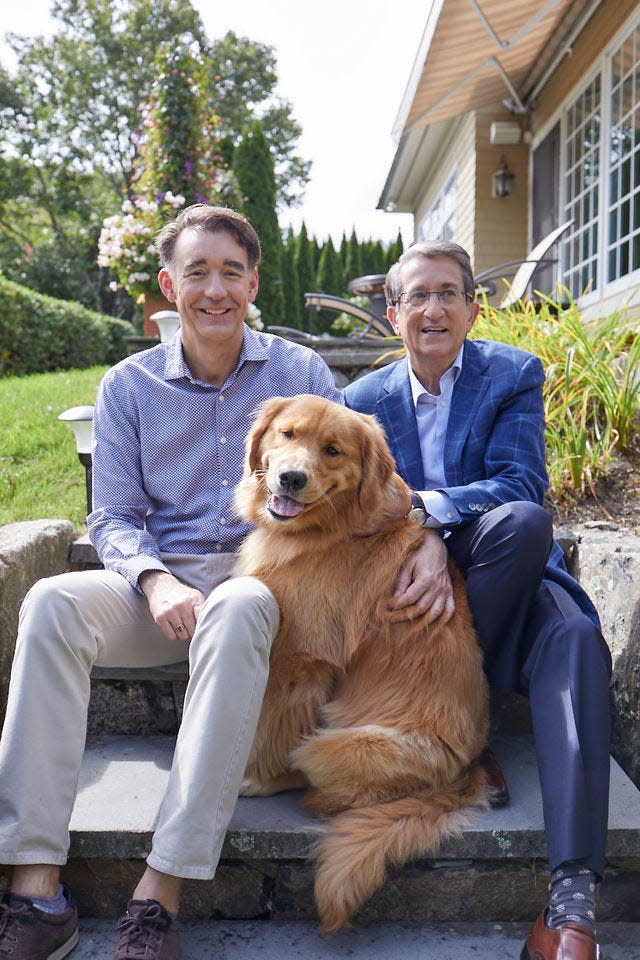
(592, 386)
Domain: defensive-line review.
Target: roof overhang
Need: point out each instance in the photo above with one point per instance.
(474, 53)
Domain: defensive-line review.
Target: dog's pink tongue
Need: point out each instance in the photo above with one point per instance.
(285, 506)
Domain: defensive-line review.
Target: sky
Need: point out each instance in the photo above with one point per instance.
(344, 66)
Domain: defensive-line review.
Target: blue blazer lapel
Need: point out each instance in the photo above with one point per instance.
(396, 412)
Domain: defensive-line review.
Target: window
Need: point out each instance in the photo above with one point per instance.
(623, 250)
(439, 222)
(581, 188)
(601, 174)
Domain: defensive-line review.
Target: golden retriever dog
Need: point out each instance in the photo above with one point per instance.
(383, 722)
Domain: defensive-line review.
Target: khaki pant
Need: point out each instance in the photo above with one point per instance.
(69, 623)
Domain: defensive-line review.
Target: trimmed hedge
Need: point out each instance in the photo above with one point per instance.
(39, 334)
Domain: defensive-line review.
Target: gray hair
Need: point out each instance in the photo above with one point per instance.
(429, 249)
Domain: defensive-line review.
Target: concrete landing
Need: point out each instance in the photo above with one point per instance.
(495, 871)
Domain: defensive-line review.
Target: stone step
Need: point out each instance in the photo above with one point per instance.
(300, 940)
(496, 871)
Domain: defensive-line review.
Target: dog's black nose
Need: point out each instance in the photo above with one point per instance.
(292, 480)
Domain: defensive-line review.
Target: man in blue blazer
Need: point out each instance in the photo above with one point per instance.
(465, 421)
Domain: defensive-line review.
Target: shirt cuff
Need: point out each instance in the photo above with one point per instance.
(131, 568)
(440, 508)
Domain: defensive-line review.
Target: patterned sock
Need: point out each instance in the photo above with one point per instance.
(572, 900)
(57, 904)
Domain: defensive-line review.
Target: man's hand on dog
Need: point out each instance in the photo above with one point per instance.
(424, 584)
(174, 606)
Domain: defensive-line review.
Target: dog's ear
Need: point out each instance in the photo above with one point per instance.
(263, 417)
(383, 496)
(378, 465)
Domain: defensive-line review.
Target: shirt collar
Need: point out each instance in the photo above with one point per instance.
(417, 390)
(253, 348)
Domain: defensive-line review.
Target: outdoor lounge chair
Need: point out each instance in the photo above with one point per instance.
(524, 273)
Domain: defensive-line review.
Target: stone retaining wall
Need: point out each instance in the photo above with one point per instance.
(609, 570)
(28, 552)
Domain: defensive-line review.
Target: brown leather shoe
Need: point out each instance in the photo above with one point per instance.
(498, 789)
(571, 942)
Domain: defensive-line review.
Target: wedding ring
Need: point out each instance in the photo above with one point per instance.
(179, 628)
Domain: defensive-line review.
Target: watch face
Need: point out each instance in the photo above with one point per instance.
(418, 515)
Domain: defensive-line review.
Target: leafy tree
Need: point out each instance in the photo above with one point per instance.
(72, 114)
(244, 76)
(253, 169)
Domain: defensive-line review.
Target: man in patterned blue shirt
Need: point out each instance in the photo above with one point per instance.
(169, 431)
(465, 422)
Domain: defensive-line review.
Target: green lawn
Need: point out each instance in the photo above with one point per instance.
(40, 474)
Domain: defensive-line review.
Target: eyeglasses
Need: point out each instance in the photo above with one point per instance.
(447, 298)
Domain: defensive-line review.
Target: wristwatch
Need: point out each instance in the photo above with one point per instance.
(418, 512)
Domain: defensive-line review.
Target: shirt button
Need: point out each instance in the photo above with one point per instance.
(222, 521)
(221, 397)
(225, 483)
(218, 547)
(223, 439)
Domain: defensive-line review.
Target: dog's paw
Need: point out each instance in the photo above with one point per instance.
(251, 787)
(290, 780)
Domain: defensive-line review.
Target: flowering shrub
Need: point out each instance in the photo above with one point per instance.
(177, 164)
(126, 245)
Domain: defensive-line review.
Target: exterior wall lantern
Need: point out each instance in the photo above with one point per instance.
(80, 419)
(503, 180)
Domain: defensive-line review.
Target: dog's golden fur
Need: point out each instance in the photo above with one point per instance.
(384, 721)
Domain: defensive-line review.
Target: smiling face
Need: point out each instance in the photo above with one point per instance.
(212, 285)
(433, 332)
(314, 463)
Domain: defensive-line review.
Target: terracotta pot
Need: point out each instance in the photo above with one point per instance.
(152, 304)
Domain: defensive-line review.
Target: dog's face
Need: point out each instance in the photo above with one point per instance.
(309, 460)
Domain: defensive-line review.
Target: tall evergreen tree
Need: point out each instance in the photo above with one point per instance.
(293, 300)
(253, 168)
(395, 251)
(353, 265)
(304, 266)
(343, 253)
(329, 280)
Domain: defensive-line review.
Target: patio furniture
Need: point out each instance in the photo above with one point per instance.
(526, 268)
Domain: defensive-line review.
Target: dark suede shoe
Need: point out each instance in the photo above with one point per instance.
(27, 933)
(571, 942)
(147, 932)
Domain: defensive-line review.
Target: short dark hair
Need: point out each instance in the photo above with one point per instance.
(430, 249)
(201, 216)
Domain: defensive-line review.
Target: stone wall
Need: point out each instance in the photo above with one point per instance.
(609, 570)
(28, 551)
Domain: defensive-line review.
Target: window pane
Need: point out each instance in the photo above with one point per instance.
(581, 166)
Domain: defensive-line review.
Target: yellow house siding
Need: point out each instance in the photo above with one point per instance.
(500, 224)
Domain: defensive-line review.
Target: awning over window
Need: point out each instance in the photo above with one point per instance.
(475, 52)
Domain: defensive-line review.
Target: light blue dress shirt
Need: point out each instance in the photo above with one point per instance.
(432, 418)
(168, 449)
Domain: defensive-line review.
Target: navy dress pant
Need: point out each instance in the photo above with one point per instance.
(538, 642)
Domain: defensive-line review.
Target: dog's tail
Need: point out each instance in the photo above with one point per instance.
(359, 845)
